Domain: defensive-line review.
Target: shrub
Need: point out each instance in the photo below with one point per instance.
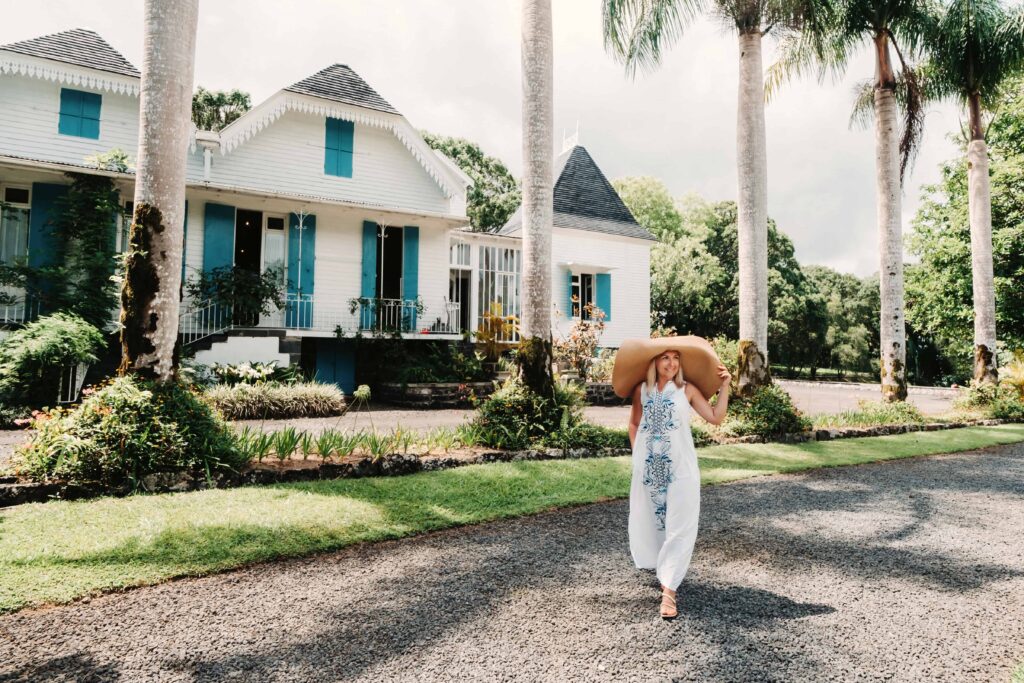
(770, 411)
(247, 294)
(728, 351)
(977, 396)
(9, 415)
(32, 358)
(701, 436)
(273, 401)
(587, 435)
(1008, 407)
(578, 347)
(126, 430)
(871, 413)
(255, 373)
(601, 368)
(513, 416)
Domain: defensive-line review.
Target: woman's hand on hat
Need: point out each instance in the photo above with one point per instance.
(724, 376)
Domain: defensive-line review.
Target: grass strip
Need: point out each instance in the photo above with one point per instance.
(58, 551)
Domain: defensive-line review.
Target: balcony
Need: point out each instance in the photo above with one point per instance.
(321, 317)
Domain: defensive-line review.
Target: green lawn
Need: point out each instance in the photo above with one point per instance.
(55, 552)
(1018, 674)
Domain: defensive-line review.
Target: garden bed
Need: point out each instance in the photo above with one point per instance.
(434, 394)
(14, 492)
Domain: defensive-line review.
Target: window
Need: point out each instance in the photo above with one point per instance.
(338, 148)
(459, 254)
(499, 280)
(79, 114)
(124, 227)
(14, 223)
(275, 245)
(582, 294)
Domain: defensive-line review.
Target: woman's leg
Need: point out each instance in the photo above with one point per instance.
(680, 527)
(645, 538)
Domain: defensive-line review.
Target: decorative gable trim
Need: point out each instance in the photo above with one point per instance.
(258, 118)
(67, 74)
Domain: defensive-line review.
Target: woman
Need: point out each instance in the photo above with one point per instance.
(664, 500)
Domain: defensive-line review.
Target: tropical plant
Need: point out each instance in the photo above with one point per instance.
(637, 32)
(273, 401)
(534, 356)
(285, 442)
(247, 293)
(579, 346)
(494, 331)
(494, 194)
(152, 273)
(768, 412)
(974, 48)
(514, 416)
(33, 358)
(127, 429)
(215, 109)
(827, 48)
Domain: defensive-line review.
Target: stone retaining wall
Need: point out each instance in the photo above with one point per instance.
(434, 394)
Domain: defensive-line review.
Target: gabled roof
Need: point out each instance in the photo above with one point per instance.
(585, 200)
(78, 46)
(341, 84)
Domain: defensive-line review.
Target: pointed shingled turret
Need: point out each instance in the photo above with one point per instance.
(79, 46)
(341, 84)
(585, 200)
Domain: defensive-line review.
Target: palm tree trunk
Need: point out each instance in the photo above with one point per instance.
(980, 206)
(538, 196)
(151, 291)
(892, 331)
(752, 217)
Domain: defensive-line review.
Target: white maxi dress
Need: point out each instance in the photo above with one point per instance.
(664, 497)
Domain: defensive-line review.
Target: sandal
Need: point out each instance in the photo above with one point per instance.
(668, 606)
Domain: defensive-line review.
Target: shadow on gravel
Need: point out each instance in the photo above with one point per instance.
(786, 523)
(78, 667)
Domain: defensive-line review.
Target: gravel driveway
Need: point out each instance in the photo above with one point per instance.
(909, 571)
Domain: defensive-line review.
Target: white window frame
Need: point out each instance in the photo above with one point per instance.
(27, 206)
(457, 246)
(577, 292)
(263, 245)
(125, 215)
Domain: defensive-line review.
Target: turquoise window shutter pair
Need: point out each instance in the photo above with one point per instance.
(338, 145)
(410, 274)
(79, 114)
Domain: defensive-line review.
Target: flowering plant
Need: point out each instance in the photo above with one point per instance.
(577, 349)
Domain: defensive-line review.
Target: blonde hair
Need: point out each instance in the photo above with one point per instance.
(652, 371)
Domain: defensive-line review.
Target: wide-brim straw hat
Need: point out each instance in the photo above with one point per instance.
(696, 356)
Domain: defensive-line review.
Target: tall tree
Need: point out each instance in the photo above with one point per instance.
(538, 196)
(975, 47)
(215, 109)
(495, 194)
(151, 291)
(884, 25)
(636, 32)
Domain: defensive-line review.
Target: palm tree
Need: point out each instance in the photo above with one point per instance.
(974, 47)
(636, 32)
(534, 354)
(883, 24)
(152, 280)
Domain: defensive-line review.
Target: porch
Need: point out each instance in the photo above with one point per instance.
(312, 316)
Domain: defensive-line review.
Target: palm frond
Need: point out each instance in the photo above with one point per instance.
(637, 32)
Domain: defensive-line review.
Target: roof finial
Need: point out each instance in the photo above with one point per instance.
(572, 140)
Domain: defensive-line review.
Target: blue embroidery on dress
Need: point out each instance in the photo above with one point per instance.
(658, 421)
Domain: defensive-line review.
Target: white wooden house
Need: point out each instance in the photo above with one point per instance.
(324, 178)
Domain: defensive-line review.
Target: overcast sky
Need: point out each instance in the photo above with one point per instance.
(452, 67)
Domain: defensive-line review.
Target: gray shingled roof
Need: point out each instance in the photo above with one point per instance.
(78, 46)
(585, 200)
(342, 84)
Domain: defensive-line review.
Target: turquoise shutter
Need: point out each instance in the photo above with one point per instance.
(368, 284)
(218, 236)
(603, 295)
(90, 126)
(410, 273)
(567, 308)
(184, 243)
(70, 120)
(42, 245)
(338, 139)
(301, 270)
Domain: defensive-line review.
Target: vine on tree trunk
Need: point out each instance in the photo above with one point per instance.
(535, 358)
(141, 283)
(985, 365)
(752, 369)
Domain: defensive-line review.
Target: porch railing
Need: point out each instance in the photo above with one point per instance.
(199, 320)
(19, 311)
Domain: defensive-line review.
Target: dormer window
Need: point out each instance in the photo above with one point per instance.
(79, 114)
(338, 148)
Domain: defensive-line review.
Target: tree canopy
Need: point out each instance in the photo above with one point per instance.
(495, 193)
(215, 109)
